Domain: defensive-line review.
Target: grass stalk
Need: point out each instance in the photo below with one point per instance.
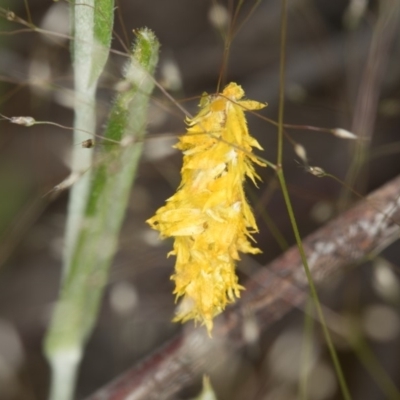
(279, 170)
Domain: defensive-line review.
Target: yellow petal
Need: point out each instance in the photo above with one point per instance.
(209, 216)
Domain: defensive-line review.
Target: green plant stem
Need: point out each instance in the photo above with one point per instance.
(92, 22)
(84, 120)
(306, 354)
(282, 71)
(281, 177)
(114, 170)
(313, 290)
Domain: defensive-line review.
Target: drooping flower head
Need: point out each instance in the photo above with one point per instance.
(209, 216)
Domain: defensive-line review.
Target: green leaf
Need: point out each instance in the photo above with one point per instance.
(114, 171)
(102, 34)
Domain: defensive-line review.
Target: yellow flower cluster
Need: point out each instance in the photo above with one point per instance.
(209, 216)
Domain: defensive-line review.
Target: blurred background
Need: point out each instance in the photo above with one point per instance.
(328, 48)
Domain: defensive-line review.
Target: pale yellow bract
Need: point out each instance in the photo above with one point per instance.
(209, 216)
